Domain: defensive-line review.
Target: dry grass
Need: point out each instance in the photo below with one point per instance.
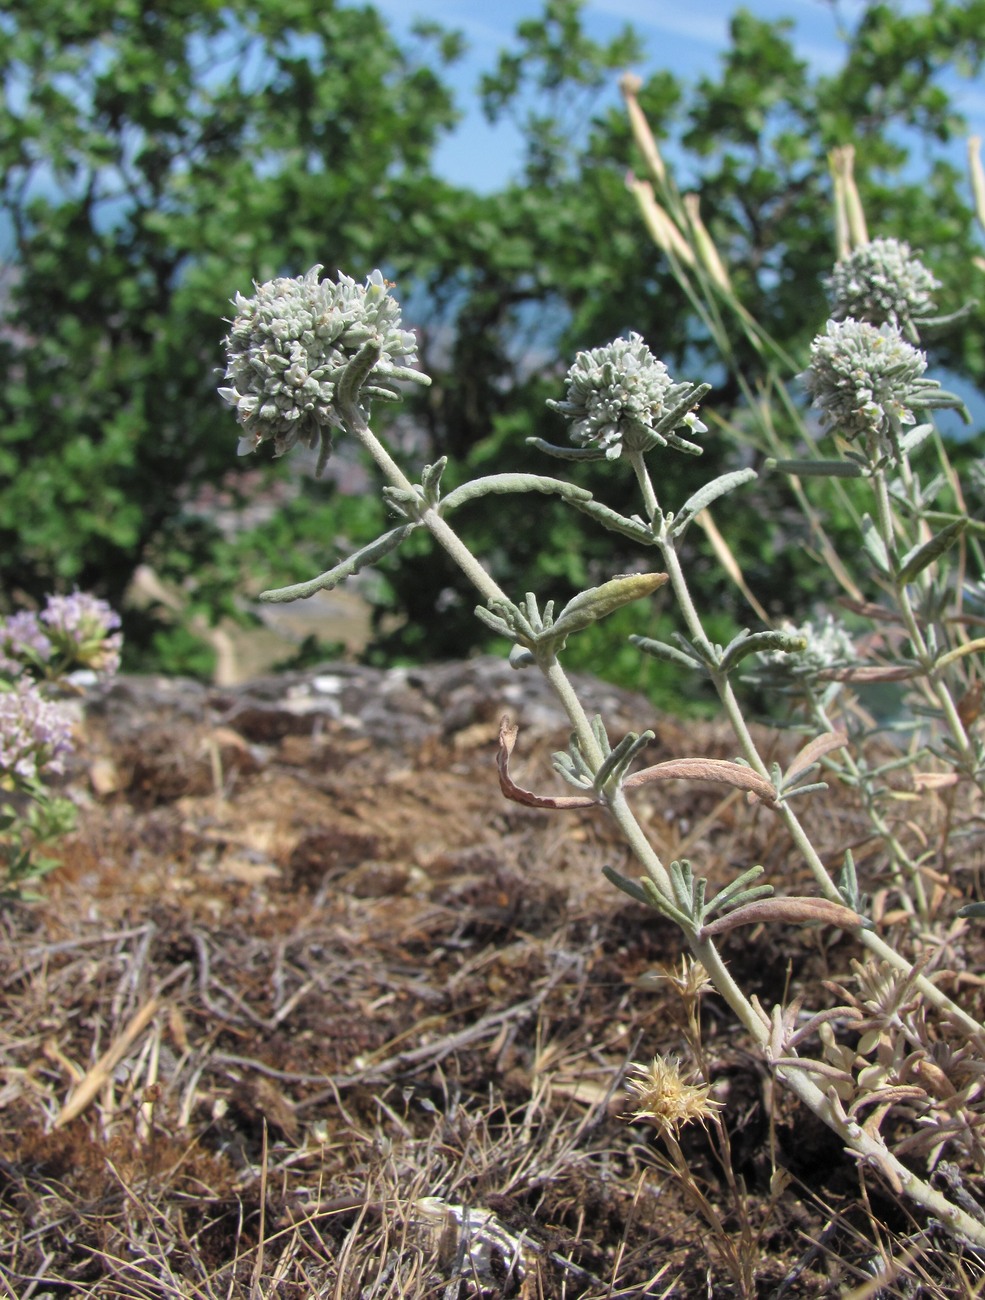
(297, 1004)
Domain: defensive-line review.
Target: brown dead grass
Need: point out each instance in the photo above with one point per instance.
(296, 992)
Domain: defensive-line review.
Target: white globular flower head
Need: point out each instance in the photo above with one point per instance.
(288, 347)
(882, 284)
(617, 394)
(864, 379)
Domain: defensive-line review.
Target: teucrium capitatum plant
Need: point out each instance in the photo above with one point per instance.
(308, 356)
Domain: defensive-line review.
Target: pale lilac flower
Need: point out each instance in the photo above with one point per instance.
(82, 630)
(22, 643)
(35, 735)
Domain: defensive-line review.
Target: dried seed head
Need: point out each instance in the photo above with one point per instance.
(663, 1095)
(690, 979)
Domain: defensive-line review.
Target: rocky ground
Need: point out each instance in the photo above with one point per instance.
(307, 993)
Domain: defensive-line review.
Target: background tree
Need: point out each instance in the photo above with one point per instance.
(155, 162)
(154, 159)
(753, 144)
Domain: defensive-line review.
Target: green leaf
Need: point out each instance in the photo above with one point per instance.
(816, 468)
(589, 606)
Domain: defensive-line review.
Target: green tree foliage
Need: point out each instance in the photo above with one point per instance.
(153, 160)
(573, 264)
(156, 160)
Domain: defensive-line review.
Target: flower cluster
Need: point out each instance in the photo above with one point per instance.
(617, 396)
(76, 631)
(289, 345)
(882, 284)
(23, 644)
(864, 379)
(35, 735)
(829, 645)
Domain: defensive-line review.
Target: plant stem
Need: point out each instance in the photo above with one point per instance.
(439, 529)
(878, 947)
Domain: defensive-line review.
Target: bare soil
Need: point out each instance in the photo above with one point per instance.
(307, 990)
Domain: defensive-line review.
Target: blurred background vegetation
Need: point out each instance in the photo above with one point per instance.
(156, 159)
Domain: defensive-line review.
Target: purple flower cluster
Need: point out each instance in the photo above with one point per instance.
(35, 735)
(83, 628)
(76, 631)
(22, 643)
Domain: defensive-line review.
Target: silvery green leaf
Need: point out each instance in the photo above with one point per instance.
(494, 622)
(355, 375)
(589, 606)
(520, 657)
(706, 654)
(408, 502)
(682, 880)
(738, 890)
(718, 487)
(746, 644)
(917, 560)
(569, 771)
(431, 480)
(817, 468)
(632, 527)
(566, 453)
(691, 396)
(815, 786)
(913, 438)
(509, 483)
(615, 763)
(935, 398)
(331, 579)
(667, 653)
(972, 911)
(874, 545)
(627, 886)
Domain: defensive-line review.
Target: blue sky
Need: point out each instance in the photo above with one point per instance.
(687, 39)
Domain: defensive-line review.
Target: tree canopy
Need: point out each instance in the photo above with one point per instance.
(156, 160)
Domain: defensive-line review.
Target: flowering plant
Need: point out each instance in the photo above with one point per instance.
(622, 406)
(74, 639)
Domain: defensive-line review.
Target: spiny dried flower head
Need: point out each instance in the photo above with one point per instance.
(289, 345)
(35, 735)
(864, 379)
(882, 283)
(664, 1095)
(617, 396)
(690, 979)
